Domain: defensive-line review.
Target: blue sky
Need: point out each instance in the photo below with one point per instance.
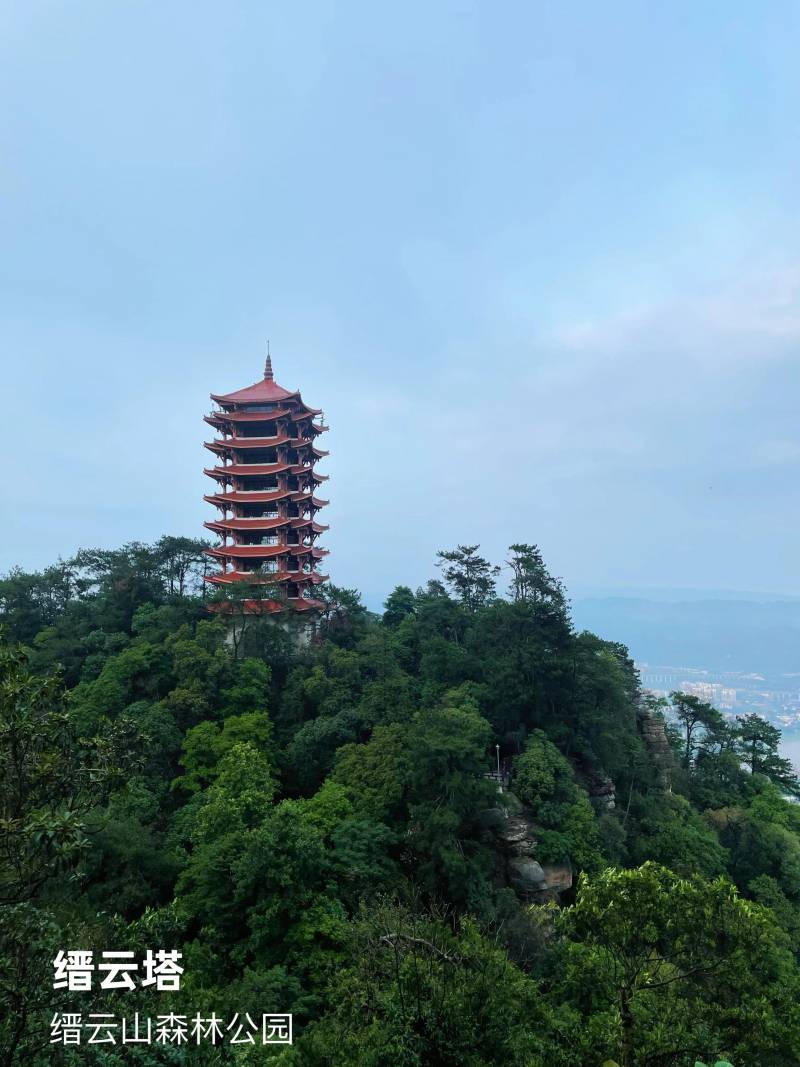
(539, 264)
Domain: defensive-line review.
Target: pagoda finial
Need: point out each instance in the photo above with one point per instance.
(268, 366)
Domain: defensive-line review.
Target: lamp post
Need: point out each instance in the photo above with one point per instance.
(497, 747)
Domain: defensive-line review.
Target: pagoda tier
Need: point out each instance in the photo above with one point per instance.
(280, 553)
(308, 526)
(266, 526)
(300, 445)
(270, 579)
(252, 470)
(228, 421)
(265, 497)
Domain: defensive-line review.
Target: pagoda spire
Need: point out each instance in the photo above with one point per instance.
(268, 366)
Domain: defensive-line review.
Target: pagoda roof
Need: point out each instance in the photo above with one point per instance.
(260, 469)
(264, 392)
(259, 523)
(239, 497)
(217, 417)
(259, 393)
(316, 527)
(240, 470)
(255, 578)
(222, 444)
(265, 551)
(270, 607)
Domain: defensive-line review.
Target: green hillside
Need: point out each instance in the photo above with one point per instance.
(317, 823)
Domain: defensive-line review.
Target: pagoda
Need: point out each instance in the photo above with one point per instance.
(265, 457)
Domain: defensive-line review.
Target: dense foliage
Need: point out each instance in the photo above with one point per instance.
(312, 821)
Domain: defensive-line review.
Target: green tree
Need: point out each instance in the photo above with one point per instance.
(399, 604)
(545, 782)
(701, 724)
(530, 579)
(677, 966)
(413, 991)
(757, 743)
(472, 578)
(50, 779)
(206, 745)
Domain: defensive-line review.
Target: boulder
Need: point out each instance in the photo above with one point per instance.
(526, 876)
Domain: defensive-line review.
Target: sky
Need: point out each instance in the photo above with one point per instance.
(539, 263)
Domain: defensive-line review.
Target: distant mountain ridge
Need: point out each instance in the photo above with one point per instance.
(717, 634)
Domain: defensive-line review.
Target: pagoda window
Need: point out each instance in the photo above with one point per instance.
(268, 567)
(258, 456)
(259, 485)
(265, 429)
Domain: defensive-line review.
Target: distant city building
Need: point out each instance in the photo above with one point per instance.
(711, 693)
(267, 509)
(732, 692)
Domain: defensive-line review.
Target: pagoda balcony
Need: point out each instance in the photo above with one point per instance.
(247, 551)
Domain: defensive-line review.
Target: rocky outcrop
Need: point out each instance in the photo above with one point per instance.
(558, 877)
(654, 738)
(513, 833)
(526, 877)
(602, 792)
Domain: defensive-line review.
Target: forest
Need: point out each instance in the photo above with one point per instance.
(453, 833)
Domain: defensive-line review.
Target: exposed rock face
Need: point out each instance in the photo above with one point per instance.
(558, 876)
(513, 832)
(602, 792)
(654, 738)
(517, 835)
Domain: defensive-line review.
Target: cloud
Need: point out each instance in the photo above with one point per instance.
(752, 318)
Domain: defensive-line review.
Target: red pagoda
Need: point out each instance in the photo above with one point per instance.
(266, 480)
